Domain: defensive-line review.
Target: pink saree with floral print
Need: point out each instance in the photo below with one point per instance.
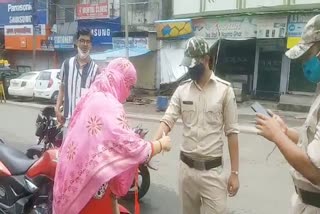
(99, 148)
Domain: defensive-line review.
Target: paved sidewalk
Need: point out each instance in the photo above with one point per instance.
(149, 112)
(145, 109)
(244, 110)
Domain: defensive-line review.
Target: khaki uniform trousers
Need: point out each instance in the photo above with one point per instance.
(298, 207)
(202, 192)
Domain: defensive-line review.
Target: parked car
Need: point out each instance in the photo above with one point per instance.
(23, 86)
(7, 74)
(47, 85)
(23, 68)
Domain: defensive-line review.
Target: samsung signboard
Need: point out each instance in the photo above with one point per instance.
(101, 29)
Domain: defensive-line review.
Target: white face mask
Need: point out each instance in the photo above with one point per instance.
(83, 55)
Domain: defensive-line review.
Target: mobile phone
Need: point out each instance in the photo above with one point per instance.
(258, 108)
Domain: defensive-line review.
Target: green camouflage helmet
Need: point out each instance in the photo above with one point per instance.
(196, 48)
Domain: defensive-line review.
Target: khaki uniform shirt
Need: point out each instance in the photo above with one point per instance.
(310, 142)
(205, 114)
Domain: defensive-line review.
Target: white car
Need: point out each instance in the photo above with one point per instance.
(47, 85)
(23, 85)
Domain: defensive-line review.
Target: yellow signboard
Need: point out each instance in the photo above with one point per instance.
(293, 41)
(173, 29)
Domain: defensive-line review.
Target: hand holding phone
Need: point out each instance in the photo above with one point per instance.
(258, 108)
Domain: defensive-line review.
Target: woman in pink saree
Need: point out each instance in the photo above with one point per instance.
(101, 154)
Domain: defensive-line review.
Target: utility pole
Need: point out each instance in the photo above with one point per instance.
(126, 28)
(34, 41)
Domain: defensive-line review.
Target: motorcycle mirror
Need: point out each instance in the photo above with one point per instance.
(144, 133)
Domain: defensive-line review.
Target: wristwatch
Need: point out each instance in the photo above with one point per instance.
(235, 172)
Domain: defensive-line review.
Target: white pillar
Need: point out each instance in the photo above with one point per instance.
(256, 67)
(285, 74)
(126, 28)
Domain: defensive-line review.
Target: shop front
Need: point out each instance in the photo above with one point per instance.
(237, 48)
(270, 68)
(251, 54)
(297, 82)
(22, 27)
(142, 54)
(173, 34)
(19, 45)
(271, 73)
(236, 62)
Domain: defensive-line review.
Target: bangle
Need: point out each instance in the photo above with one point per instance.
(152, 149)
(235, 172)
(160, 146)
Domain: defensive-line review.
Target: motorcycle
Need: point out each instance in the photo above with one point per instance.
(50, 135)
(26, 185)
(48, 131)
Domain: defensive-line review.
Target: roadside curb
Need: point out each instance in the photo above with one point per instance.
(244, 128)
(30, 105)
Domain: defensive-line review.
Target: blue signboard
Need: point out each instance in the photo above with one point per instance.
(22, 13)
(63, 42)
(295, 29)
(296, 24)
(101, 29)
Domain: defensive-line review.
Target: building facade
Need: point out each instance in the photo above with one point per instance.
(255, 36)
(22, 24)
(101, 17)
(142, 16)
(56, 22)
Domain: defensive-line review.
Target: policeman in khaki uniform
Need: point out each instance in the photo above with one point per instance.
(301, 148)
(208, 108)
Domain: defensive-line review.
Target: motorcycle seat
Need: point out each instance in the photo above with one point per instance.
(16, 161)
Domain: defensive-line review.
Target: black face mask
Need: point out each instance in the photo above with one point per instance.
(196, 71)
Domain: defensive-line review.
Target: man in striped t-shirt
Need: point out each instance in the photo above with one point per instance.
(77, 74)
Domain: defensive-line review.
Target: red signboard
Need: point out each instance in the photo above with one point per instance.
(92, 11)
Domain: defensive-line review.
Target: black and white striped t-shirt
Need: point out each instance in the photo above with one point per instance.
(75, 81)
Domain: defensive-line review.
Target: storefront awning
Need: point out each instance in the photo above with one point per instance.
(116, 53)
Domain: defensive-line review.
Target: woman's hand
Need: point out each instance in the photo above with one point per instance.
(269, 127)
(161, 145)
(165, 142)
